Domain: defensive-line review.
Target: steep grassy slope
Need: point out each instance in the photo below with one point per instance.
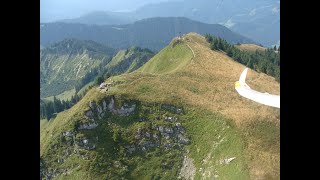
(64, 63)
(129, 60)
(161, 123)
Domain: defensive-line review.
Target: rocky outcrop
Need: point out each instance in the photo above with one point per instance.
(172, 108)
(182, 139)
(124, 110)
(130, 149)
(171, 119)
(84, 143)
(69, 134)
(88, 126)
(162, 130)
(158, 136)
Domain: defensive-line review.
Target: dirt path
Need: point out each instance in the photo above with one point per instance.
(191, 50)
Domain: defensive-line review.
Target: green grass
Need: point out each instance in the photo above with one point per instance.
(219, 124)
(157, 163)
(43, 122)
(132, 66)
(215, 138)
(205, 129)
(66, 95)
(63, 71)
(120, 56)
(83, 89)
(168, 60)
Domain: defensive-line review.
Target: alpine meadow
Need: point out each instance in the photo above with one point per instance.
(131, 95)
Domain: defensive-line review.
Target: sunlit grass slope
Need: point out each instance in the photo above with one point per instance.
(220, 123)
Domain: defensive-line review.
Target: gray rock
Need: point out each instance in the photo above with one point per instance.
(171, 119)
(69, 134)
(166, 136)
(90, 148)
(169, 130)
(104, 105)
(99, 109)
(146, 145)
(79, 143)
(155, 136)
(88, 126)
(102, 85)
(179, 111)
(138, 137)
(123, 111)
(180, 128)
(130, 149)
(111, 105)
(182, 139)
(92, 105)
(147, 134)
(89, 114)
(160, 129)
(85, 141)
(168, 145)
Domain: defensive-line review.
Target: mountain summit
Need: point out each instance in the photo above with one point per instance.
(176, 116)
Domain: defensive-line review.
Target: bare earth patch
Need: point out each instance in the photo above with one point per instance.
(188, 169)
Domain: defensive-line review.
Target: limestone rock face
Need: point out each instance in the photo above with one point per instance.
(88, 126)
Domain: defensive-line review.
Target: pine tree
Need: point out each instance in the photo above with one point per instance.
(57, 105)
(208, 38)
(99, 80)
(48, 110)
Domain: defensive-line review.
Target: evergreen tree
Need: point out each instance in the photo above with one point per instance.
(99, 80)
(267, 62)
(49, 110)
(55, 104)
(208, 38)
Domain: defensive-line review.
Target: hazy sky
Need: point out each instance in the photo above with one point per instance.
(62, 9)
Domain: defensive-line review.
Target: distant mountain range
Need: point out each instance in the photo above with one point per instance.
(258, 20)
(151, 33)
(101, 18)
(65, 63)
(68, 63)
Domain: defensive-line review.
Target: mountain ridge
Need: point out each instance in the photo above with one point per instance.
(64, 64)
(152, 33)
(258, 20)
(148, 120)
